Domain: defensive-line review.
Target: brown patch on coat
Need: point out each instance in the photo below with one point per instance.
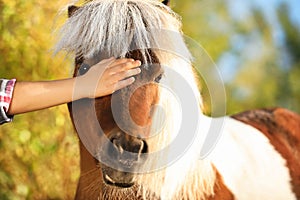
(282, 128)
(221, 192)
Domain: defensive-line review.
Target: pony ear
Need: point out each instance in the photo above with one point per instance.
(166, 2)
(71, 10)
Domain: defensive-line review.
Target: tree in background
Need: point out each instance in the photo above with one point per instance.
(266, 74)
(292, 48)
(259, 68)
(38, 151)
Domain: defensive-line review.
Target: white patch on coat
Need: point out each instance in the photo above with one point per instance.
(251, 167)
(187, 177)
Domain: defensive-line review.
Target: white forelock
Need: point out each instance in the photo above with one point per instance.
(114, 27)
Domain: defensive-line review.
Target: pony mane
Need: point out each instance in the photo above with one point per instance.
(115, 27)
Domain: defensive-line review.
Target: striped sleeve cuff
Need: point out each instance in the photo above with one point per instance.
(6, 92)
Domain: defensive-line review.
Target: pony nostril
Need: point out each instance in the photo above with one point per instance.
(117, 145)
(144, 147)
(122, 149)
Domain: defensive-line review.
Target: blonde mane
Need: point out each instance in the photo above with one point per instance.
(115, 27)
(189, 177)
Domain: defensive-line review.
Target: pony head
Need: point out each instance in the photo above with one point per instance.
(121, 130)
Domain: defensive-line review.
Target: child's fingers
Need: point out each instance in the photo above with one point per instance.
(112, 66)
(112, 62)
(120, 69)
(123, 65)
(125, 74)
(120, 61)
(123, 83)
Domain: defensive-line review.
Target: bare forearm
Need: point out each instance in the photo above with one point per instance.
(101, 79)
(30, 96)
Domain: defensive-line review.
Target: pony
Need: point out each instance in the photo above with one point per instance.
(126, 139)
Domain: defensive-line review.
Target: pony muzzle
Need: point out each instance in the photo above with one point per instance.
(126, 149)
(125, 154)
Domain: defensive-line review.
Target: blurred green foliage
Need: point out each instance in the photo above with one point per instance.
(39, 151)
(265, 68)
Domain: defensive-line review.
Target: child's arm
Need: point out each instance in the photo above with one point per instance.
(102, 79)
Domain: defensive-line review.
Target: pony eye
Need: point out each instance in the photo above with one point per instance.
(83, 68)
(158, 78)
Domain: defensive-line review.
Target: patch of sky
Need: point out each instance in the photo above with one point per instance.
(228, 63)
(251, 46)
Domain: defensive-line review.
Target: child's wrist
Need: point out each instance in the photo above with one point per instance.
(82, 88)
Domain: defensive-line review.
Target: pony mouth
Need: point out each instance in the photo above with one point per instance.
(110, 181)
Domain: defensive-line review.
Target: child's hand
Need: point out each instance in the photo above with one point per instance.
(108, 76)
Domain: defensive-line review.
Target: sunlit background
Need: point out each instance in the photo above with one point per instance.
(255, 44)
